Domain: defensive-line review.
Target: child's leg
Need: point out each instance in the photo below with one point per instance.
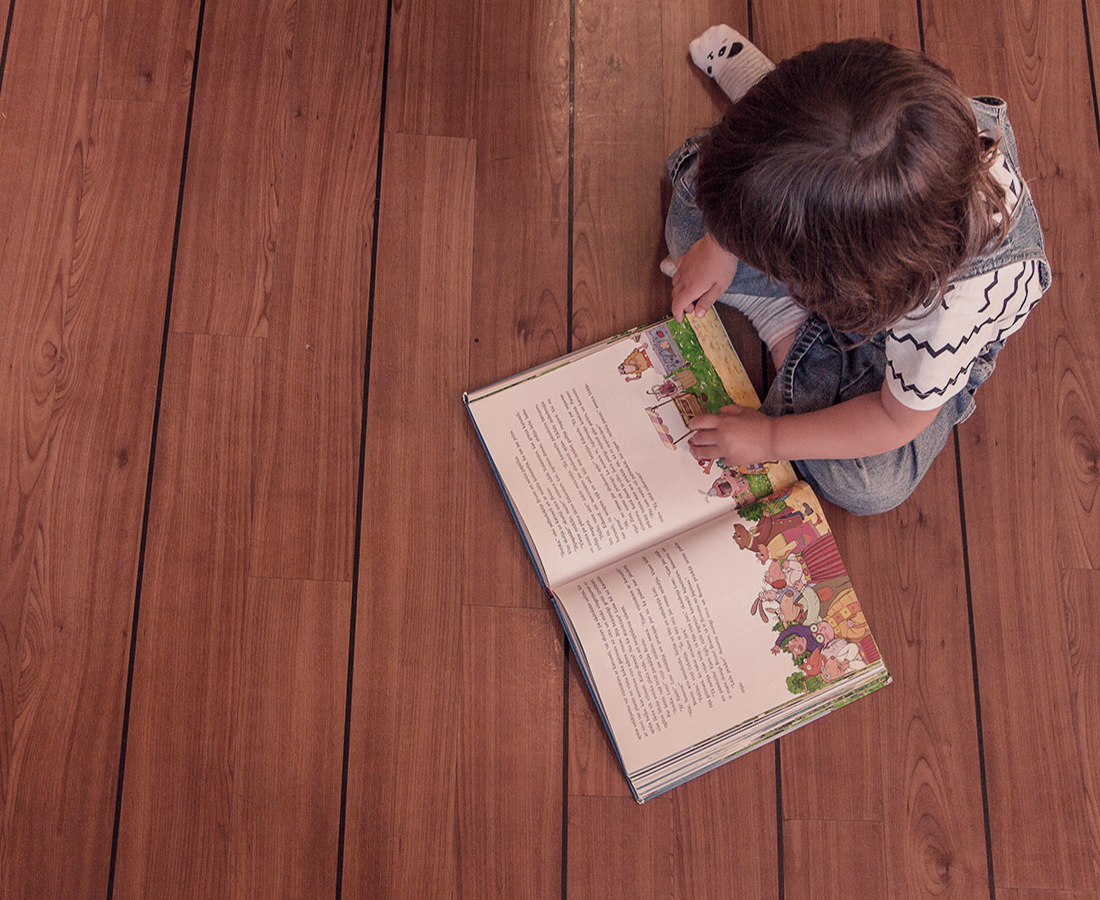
(736, 65)
(730, 59)
(775, 317)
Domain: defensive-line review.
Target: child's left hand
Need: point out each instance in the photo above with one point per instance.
(736, 434)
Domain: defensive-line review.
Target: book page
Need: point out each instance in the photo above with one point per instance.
(717, 627)
(593, 452)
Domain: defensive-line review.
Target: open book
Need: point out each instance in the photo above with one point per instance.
(708, 607)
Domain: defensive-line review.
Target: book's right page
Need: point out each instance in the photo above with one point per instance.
(725, 630)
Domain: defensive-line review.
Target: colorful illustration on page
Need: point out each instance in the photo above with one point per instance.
(805, 592)
(671, 363)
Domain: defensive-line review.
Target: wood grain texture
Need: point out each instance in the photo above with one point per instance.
(311, 415)
(233, 762)
(641, 867)
(75, 473)
(232, 222)
(434, 71)
(1034, 428)
(619, 155)
(924, 729)
(88, 203)
(783, 27)
(179, 793)
(404, 765)
(1080, 588)
(510, 786)
(725, 833)
(287, 738)
(854, 865)
(148, 50)
(692, 100)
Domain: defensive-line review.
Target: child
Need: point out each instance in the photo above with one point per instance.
(872, 224)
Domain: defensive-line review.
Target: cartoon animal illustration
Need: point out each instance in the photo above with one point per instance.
(789, 526)
(813, 664)
(766, 604)
(636, 362)
(796, 640)
(801, 607)
(773, 575)
(838, 657)
(793, 572)
(732, 485)
(808, 601)
(747, 540)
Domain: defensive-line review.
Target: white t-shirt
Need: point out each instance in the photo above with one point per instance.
(929, 355)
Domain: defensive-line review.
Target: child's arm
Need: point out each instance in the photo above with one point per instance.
(863, 426)
(702, 276)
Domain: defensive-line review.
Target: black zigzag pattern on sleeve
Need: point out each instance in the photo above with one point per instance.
(1006, 328)
(1029, 271)
(936, 391)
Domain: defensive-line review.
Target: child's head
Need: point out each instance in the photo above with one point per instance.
(854, 173)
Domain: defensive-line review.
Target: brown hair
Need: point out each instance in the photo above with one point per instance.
(854, 173)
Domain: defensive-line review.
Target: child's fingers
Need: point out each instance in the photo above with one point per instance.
(704, 303)
(703, 422)
(681, 305)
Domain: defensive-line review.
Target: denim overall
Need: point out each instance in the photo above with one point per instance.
(825, 367)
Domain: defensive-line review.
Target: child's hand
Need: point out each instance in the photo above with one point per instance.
(736, 434)
(702, 276)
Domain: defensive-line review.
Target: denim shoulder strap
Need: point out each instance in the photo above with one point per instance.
(1025, 235)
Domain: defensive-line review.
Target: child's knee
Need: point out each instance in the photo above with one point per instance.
(683, 226)
(864, 487)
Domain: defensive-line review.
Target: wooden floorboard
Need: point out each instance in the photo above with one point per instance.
(180, 793)
(345, 680)
(89, 186)
(403, 788)
(1022, 435)
(252, 514)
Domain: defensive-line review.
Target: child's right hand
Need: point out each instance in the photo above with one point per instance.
(702, 275)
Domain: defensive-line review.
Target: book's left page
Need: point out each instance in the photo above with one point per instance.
(592, 452)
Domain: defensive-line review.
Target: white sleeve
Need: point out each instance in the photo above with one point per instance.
(929, 355)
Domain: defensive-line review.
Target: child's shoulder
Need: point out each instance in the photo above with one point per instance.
(977, 310)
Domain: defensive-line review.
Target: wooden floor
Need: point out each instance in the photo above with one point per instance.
(266, 628)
